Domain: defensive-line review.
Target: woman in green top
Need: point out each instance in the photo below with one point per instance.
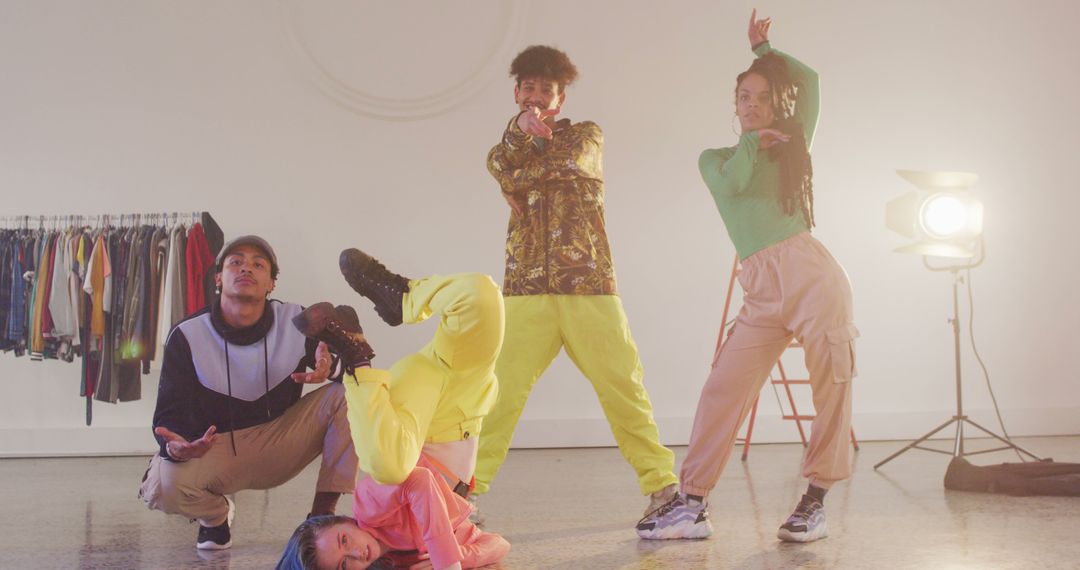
(793, 289)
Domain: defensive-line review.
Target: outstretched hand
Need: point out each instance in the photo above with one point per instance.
(531, 121)
(181, 449)
(771, 137)
(759, 29)
(322, 367)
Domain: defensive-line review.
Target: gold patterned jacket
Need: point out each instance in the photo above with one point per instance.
(559, 244)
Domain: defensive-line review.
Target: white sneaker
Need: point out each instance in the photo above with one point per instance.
(806, 524)
(681, 517)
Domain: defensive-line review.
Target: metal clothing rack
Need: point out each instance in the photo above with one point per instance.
(57, 221)
(61, 222)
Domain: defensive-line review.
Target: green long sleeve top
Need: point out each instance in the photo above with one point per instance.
(745, 182)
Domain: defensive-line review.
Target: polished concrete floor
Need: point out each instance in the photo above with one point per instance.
(575, 509)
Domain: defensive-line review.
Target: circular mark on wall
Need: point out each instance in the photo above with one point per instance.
(403, 61)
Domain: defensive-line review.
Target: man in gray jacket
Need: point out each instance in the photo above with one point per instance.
(230, 415)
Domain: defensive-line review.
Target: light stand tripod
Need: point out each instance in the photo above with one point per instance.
(959, 419)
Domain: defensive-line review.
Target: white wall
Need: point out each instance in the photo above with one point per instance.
(111, 106)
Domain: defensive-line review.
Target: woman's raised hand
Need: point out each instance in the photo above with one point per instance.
(759, 29)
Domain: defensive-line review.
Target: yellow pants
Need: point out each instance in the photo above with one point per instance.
(439, 394)
(594, 331)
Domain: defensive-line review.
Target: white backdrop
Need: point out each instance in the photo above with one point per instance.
(334, 124)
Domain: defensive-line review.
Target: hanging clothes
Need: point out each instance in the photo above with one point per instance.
(199, 264)
(61, 304)
(16, 330)
(215, 240)
(172, 309)
(107, 296)
(40, 315)
(6, 251)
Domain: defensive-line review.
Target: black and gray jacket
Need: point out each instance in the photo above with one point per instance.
(213, 374)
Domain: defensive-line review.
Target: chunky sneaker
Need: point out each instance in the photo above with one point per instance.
(477, 517)
(661, 498)
(806, 524)
(339, 328)
(373, 280)
(217, 537)
(681, 517)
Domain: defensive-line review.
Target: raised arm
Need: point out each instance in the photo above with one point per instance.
(507, 159)
(574, 153)
(808, 99)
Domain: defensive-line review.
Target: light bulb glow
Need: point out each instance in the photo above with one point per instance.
(944, 216)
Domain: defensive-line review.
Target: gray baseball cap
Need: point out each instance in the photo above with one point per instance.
(254, 241)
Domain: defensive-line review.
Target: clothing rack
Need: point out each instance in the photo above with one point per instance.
(104, 289)
(51, 222)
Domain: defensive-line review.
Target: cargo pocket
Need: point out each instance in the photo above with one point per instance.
(150, 489)
(842, 352)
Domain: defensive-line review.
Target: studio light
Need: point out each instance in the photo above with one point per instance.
(942, 215)
(945, 220)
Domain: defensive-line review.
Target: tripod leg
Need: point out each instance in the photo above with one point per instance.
(916, 442)
(1003, 440)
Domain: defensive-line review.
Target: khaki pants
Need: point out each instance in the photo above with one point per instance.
(594, 331)
(267, 455)
(793, 289)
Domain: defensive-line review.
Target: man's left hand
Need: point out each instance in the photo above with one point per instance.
(322, 367)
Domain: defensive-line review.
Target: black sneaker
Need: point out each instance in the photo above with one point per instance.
(373, 280)
(339, 328)
(217, 537)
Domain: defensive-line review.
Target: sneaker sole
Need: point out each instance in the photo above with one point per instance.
(313, 319)
(211, 545)
(354, 264)
(788, 536)
(693, 531)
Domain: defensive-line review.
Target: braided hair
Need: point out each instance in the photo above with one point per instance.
(796, 171)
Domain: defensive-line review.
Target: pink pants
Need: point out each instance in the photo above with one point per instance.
(793, 289)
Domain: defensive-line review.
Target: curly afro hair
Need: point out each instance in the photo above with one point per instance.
(546, 62)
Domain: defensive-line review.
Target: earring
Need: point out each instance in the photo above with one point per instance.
(738, 133)
(217, 289)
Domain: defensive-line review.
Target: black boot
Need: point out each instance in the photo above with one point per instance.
(340, 329)
(373, 280)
